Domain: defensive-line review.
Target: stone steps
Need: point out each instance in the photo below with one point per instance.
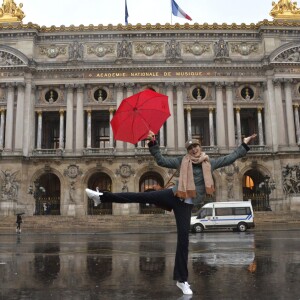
(54, 223)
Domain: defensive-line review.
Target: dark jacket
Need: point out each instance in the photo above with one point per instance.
(175, 162)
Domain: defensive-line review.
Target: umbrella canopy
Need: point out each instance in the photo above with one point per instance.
(138, 114)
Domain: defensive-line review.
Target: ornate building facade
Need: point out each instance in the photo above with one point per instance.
(60, 87)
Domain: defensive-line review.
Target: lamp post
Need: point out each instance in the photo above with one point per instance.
(266, 187)
(37, 191)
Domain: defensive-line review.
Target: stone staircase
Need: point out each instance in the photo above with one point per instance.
(108, 222)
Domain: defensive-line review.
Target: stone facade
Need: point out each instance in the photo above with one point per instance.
(60, 86)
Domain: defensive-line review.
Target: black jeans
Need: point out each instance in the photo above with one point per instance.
(182, 212)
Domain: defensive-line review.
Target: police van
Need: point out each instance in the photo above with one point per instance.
(236, 215)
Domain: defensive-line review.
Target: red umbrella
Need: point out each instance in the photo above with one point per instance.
(138, 114)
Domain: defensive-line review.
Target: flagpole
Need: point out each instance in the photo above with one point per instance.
(171, 12)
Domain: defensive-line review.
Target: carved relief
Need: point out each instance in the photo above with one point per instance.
(196, 48)
(76, 51)
(290, 55)
(52, 51)
(173, 50)
(124, 49)
(125, 171)
(8, 59)
(100, 50)
(244, 48)
(10, 186)
(148, 48)
(221, 49)
(291, 179)
(73, 171)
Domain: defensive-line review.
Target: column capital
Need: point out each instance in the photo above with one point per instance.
(277, 82)
(119, 86)
(211, 109)
(238, 109)
(69, 87)
(229, 85)
(259, 108)
(111, 110)
(288, 81)
(39, 112)
(89, 111)
(188, 108)
(219, 85)
(79, 88)
(21, 85)
(2, 110)
(169, 85)
(61, 111)
(129, 85)
(296, 105)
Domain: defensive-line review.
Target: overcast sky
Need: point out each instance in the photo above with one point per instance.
(76, 12)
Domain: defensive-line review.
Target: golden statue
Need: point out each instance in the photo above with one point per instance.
(10, 12)
(285, 10)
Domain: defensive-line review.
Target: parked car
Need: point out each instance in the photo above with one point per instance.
(237, 215)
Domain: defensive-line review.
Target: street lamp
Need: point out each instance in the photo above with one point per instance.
(267, 187)
(37, 191)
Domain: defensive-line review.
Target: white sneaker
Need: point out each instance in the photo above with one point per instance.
(95, 196)
(185, 287)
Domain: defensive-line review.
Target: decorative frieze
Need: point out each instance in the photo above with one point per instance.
(149, 49)
(10, 186)
(52, 51)
(101, 49)
(196, 48)
(244, 48)
(76, 51)
(291, 179)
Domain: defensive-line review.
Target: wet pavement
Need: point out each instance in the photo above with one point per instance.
(259, 264)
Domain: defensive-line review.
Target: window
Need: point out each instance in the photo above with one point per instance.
(225, 211)
(205, 212)
(242, 211)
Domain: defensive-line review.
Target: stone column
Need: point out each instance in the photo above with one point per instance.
(39, 130)
(2, 116)
(111, 134)
(180, 118)
(162, 136)
(272, 117)
(19, 117)
(170, 121)
(267, 120)
(220, 116)
(61, 128)
(89, 129)
(130, 86)
(260, 127)
(79, 120)
(189, 122)
(297, 122)
(289, 113)
(9, 119)
(29, 120)
(69, 118)
(120, 86)
(238, 125)
(279, 113)
(211, 127)
(230, 115)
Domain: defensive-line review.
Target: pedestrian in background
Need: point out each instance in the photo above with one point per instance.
(18, 222)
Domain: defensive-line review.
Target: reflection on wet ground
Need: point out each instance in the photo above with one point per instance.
(222, 265)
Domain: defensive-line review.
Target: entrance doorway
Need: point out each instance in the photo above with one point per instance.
(48, 202)
(251, 181)
(103, 182)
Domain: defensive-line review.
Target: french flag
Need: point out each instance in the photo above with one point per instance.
(178, 12)
(126, 13)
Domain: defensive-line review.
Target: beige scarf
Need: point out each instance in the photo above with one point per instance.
(186, 184)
